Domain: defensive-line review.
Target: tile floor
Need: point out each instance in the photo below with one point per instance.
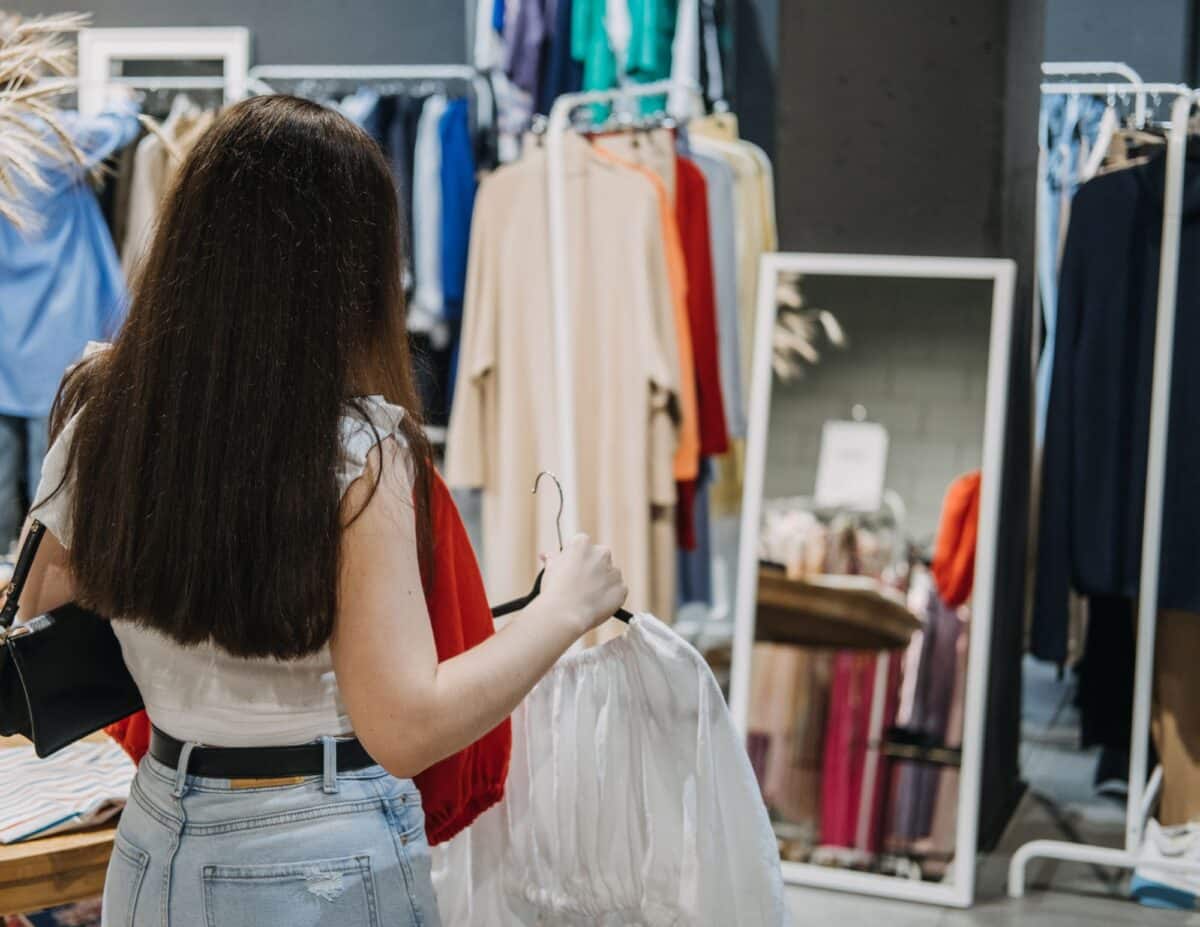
(1058, 805)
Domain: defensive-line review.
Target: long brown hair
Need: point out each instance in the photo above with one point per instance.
(204, 470)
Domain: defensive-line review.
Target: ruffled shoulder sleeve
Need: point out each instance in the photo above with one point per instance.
(52, 501)
(366, 421)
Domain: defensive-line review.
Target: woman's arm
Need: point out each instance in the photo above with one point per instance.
(96, 137)
(50, 584)
(408, 710)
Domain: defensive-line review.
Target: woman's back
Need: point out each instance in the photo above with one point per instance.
(203, 693)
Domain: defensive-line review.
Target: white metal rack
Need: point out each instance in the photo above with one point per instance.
(556, 127)
(146, 82)
(1130, 83)
(99, 49)
(1142, 794)
(260, 77)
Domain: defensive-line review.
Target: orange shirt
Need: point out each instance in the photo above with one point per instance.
(958, 533)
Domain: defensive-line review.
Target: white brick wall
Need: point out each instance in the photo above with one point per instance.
(917, 360)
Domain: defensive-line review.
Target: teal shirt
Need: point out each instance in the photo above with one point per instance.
(649, 55)
(589, 45)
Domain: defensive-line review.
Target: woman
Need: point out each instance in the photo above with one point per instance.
(242, 482)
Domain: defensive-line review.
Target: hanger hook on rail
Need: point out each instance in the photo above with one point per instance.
(561, 503)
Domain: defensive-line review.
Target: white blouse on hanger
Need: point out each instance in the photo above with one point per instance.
(630, 800)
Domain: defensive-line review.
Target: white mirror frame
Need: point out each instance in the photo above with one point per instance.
(98, 48)
(959, 891)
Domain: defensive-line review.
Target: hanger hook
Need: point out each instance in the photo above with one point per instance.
(561, 503)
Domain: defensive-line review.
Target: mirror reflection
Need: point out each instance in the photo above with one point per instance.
(866, 556)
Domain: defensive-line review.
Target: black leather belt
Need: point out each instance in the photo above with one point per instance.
(258, 762)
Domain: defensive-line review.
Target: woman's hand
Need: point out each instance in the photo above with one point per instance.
(583, 584)
(408, 709)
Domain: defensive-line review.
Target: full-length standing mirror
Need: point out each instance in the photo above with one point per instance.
(867, 563)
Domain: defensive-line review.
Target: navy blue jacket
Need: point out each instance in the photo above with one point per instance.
(1094, 458)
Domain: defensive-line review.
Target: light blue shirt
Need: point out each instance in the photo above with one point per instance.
(722, 222)
(60, 282)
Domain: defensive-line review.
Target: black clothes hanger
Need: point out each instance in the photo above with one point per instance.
(507, 608)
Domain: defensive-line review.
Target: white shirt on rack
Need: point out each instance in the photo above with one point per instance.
(685, 61)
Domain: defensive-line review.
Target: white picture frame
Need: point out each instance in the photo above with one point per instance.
(99, 48)
(959, 888)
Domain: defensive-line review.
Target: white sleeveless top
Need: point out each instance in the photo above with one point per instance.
(202, 693)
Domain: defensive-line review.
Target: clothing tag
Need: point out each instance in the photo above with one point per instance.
(852, 466)
(265, 783)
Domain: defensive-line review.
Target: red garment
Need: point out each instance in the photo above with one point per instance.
(691, 214)
(132, 733)
(685, 515)
(958, 532)
(455, 791)
(848, 739)
(458, 789)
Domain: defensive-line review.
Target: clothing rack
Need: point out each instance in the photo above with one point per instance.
(1133, 83)
(1142, 794)
(556, 127)
(99, 49)
(146, 82)
(1130, 83)
(259, 78)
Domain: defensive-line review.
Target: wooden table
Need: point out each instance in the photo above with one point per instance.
(39, 874)
(838, 612)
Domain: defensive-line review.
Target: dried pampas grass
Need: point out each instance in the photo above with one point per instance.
(799, 329)
(35, 55)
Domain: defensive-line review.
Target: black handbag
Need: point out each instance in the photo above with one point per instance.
(62, 675)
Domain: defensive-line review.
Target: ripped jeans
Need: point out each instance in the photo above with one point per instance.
(345, 849)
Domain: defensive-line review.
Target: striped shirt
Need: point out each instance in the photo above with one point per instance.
(80, 786)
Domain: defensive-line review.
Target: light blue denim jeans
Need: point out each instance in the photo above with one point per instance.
(346, 849)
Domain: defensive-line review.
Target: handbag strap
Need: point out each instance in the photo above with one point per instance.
(29, 550)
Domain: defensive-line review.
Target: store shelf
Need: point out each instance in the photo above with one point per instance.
(843, 612)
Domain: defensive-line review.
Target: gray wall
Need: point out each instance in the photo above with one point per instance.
(890, 119)
(752, 78)
(916, 359)
(333, 32)
(1155, 37)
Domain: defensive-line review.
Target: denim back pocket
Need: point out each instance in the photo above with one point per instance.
(408, 820)
(320, 893)
(408, 814)
(123, 883)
